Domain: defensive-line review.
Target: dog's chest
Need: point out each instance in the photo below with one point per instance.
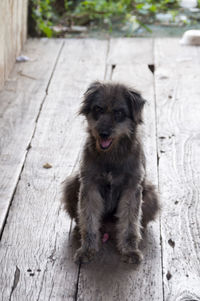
(110, 186)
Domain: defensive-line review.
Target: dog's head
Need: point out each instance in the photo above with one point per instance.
(113, 111)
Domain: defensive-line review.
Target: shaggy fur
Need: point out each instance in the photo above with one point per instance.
(111, 184)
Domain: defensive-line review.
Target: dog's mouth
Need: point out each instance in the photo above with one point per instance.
(105, 143)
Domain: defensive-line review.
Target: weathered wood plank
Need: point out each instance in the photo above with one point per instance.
(24, 21)
(130, 51)
(108, 278)
(20, 104)
(18, 23)
(24, 28)
(36, 233)
(2, 24)
(13, 28)
(169, 50)
(8, 44)
(178, 111)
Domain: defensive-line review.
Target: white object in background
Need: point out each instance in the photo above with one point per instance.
(164, 18)
(188, 3)
(191, 37)
(22, 59)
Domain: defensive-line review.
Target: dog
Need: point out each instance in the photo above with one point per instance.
(111, 184)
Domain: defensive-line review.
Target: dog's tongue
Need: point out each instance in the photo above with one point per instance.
(105, 143)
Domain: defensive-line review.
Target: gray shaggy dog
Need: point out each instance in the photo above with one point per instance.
(111, 185)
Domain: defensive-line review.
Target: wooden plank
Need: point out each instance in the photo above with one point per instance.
(169, 50)
(24, 17)
(130, 51)
(108, 278)
(14, 28)
(178, 111)
(2, 30)
(18, 22)
(20, 104)
(24, 21)
(41, 241)
(9, 46)
(12, 34)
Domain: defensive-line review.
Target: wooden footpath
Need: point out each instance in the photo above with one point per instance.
(39, 124)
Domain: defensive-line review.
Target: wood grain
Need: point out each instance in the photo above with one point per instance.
(130, 51)
(36, 234)
(178, 111)
(13, 29)
(20, 104)
(2, 22)
(108, 278)
(24, 28)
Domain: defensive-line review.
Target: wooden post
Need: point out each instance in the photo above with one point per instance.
(13, 29)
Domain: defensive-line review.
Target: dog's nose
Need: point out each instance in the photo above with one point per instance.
(104, 135)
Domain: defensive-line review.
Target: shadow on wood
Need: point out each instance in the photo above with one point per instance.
(108, 275)
(107, 266)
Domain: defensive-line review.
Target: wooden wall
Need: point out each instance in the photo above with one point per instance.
(13, 31)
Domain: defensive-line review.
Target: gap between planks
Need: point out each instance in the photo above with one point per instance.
(153, 70)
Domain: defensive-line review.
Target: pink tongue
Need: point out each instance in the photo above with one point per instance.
(106, 143)
(105, 237)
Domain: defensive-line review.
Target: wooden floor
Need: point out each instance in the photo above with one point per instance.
(39, 125)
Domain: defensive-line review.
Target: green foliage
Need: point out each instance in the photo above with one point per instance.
(153, 6)
(98, 9)
(45, 14)
(42, 14)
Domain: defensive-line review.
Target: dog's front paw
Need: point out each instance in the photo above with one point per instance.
(134, 257)
(84, 256)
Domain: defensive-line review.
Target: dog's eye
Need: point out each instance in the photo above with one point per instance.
(98, 109)
(119, 115)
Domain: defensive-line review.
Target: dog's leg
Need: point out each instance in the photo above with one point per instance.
(150, 205)
(90, 209)
(129, 225)
(70, 195)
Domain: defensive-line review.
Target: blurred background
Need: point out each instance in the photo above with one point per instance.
(101, 18)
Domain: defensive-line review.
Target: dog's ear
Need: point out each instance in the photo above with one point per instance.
(88, 98)
(136, 104)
